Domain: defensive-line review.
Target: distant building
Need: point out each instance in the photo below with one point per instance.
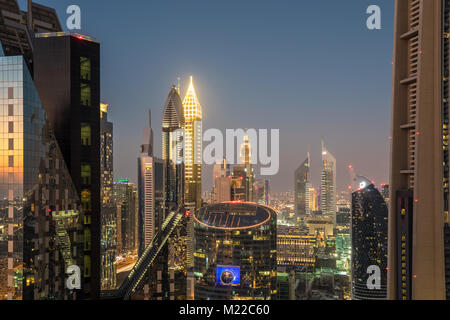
(193, 137)
(369, 231)
(295, 249)
(108, 209)
(235, 252)
(302, 186)
(126, 202)
(262, 192)
(222, 182)
(328, 184)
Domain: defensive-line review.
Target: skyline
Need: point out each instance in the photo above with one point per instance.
(243, 80)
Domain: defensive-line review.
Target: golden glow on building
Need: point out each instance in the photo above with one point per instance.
(193, 145)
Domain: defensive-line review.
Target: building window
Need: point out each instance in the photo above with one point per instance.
(10, 144)
(85, 95)
(11, 161)
(10, 110)
(85, 68)
(85, 134)
(86, 200)
(10, 127)
(10, 93)
(86, 174)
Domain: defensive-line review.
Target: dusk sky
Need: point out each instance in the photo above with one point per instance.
(308, 68)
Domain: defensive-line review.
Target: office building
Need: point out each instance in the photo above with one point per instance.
(328, 184)
(369, 241)
(261, 192)
(419, 234)
(222, 182)
(235, 252)
(295, 249)
(173, 150)
(108, 237)
(193, 137)
(41, 232)
(301, 186)
(126, 204)
(67, 77)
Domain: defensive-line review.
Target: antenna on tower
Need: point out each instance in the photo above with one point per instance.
(179, 84)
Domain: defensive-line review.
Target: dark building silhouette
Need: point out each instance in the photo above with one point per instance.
(67, 77)
(369, 227)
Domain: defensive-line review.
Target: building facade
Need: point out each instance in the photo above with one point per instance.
(41, 221)
(126, 202)
(235, 252)
(67, 77)
(419, 243)
(301, 188)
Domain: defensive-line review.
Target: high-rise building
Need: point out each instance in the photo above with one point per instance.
(301, 186)
(328, 184)
(369, 241)
(146, 189)
(295, 248)
(313, 200)
(222, 182)
(108, 237)
(235, 252)
(67, 77)
(126, 202)
(173, 150)
(17, 27)
(41, 232)
(419, 232)
(262, 192)
(193, 134)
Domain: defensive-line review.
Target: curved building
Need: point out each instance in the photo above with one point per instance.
(235, 252)
(369, 231)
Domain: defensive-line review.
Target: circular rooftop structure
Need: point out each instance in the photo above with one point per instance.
(234, 215)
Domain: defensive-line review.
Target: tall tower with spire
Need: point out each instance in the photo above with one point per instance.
(172, 150)
(301, 187)
(328, 183)
(193, 132)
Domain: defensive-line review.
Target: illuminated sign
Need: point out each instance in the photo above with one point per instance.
(228, 275)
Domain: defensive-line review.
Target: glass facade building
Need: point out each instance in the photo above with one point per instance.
(41, 231)
(235, 253)
(369, 229)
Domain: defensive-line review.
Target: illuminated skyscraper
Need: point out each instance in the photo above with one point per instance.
(262, 191)
(419, 232)
(302, 188)
(173, 150)
(126, 200)
(328, 184)
(146, 189)
(369, 240)
(108, 236)
(192, 111)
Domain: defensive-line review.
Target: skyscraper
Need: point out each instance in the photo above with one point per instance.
(328, 184)
(41, 230)
(126, 201)
(262, 192)
(108, 236)
(369, 240)
(146, 189)
(419, 237)
(173, 150)
(192, 111)
(222, 182)
(67, 77)
(301, 186)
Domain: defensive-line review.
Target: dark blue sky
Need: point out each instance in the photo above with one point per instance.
(308, 68)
